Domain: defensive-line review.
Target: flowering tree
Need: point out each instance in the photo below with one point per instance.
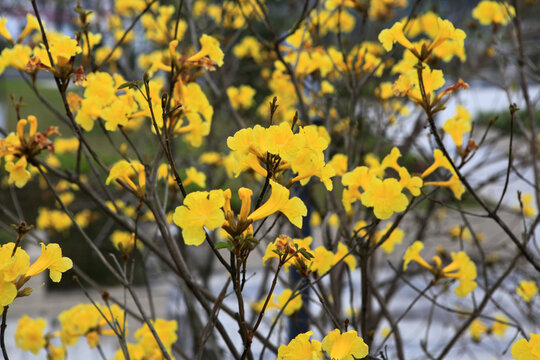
(215, 139)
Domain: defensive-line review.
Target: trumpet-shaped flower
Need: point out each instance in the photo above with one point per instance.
(388, 37)
(51, 258)
(527, 350)
(200, 209)
(124, 171)
(385, 196)
(301, 348)
(18, 174)
(3, 30)
(293, 208)
(29, 334)
(458, 125)
(413, 254)
(209, 47)
(344, 346)
(12, 265)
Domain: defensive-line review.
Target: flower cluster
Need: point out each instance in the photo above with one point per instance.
(17, 149)
(338, 346)
(277, 148)
(320, 260)
(462, 268)
(384, 195)
(15, 269)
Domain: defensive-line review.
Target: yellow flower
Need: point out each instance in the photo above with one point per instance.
(385, 197)
(124, 241)
(322, 261)
(17, 172)
(413, 254)
(209, 47)
(3, 30)
(300, 348)
(29, 334)
(527, 290)
(411, 183)
(193, 176)
(12, 266)
(77, 322)
(339, 164)
(388, 37)
(51, 258)
(529, 210)
(166, 331)
(463, 269)
(493, 12)
(31, 25)
(343, 250)
(249, 46)
(62, 48)
(527, 350)
(200, 208)
(447, 32)
(344, 346)
(57, 352)
(8, 293)
(499, 326)
(477, 329)
(293, 208)
(124, 171)
(241, 97)
(458, 125)
(294, 304)
(395, 238)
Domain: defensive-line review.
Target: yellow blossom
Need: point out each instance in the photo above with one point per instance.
(322, 260)
(477, 329)
(293, 208)
(209, 47)
(300, 348)
(124, 241)
(499, 326)
(395, 238)
(413, 254)
(341, 253)
(51, 258)
(18, 174)
(293, 304)
(124, 171)
(346, 346)
(29, 334)
(527, 290)
(527, 350)
(3, 30)
(200, 209)
(458, 125)
(166, 331)
(388, 37)
(385, 196)
(493, 12)
(241, 97)
(193, 176)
